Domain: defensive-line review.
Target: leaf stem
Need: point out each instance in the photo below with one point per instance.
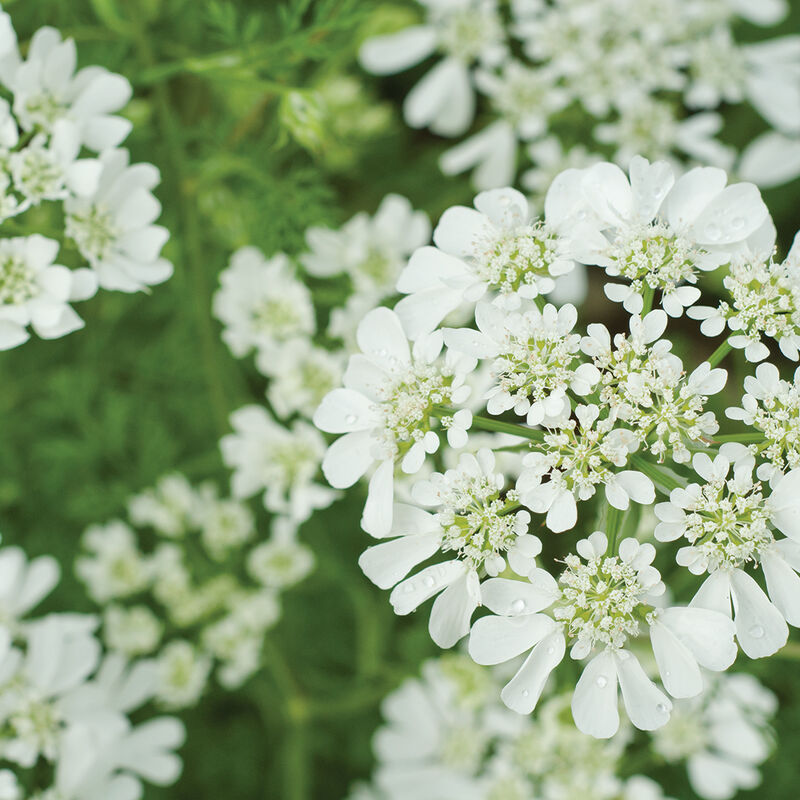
(496, 425)
(720, 353)
(661, 477)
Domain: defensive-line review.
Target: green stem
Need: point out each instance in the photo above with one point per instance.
(614, 518)
(744, 438)
(720, 353)
(496, 425)
(659, 476)
(647, 297)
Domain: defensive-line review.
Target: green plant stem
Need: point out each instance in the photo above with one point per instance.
(720, 353)
(658, 475)
(649, 293)
(496, 425)
(744, 438)
(614, 520)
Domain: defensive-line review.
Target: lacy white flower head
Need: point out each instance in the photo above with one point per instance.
(58, 700)
(731, 522)
(497, 247)
(723, 735)
(476, 520)
(217, 589)
(106, 208)
(389, 411)
(772, 406)
(647, 78)
(371, 251)
(465, 32)
(284, 461)
(261, 303)
(445, 735)
(764, 297)
(599, 606)
(657, 233)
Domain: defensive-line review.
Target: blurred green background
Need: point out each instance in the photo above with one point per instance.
(147, 387)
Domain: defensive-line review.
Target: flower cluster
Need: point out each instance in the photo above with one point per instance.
(633, 77)
(179, 596)
(581, 410)
(445, 735)
(65, 706)
(60, 141)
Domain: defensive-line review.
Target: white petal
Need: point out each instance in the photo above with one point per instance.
(377, 517)
(680, 673)
(594, 703)
(647, 706)
(413, 591)
(387, 563)
(522, 692)
(452, 610)
(760, 627)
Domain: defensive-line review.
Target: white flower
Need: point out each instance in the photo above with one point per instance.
(113, 225)
(23, 584)
(464, 31)
(523, 98)
(169, 508)
(534, 355)
(34, 291)
(723, 735)
(282, 561)
(284, 461)
(261, 303)
(728, 523)
(576, 456)
(371, 251)
(475, 520)
(772, 406)
(764, 300)
(301, 374)
(182, 674)
(497, 246)
(133, 631)
(657, 233)
(386, 410)
(600, 602)
(47, 89)
(225, 525)
(114, 567)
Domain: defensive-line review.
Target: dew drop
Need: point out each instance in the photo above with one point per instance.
(602, 681)
(550, 650)
(525, 692)
(409, 588)
(661, 708)
(518, 606)
(713, 232)
(756, 631)
(383, 352)
(429, 581)
(350, 419)
(738, 223)
(505, 200)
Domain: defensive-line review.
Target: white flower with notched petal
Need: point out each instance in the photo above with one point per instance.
(47, 89)
(600, 602)
(723, 735)
(113, 226)
(465, 32)
(389, 410)
(534, 355)
(728, 523)
(496, 247)
(476, 520)
(283, 461)
(23, 584)
(371, 251)
(657, 233)
(261, 303)
(34, 291)
(576, 456)
(300, 374)
(772, 406)
(764, 300)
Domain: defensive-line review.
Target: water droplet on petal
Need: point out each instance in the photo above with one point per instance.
(518, 606)
(550, 650)
(713, 232)
(429, 581)
(661, 708)
(602, 681)
(409, 588)
(756, 631)
(350, 419)
(737, 223)
(525, 692)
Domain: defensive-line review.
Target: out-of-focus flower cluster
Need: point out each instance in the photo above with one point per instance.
(61, 161)
(594, 413)
(569, 82)
(188, 580)
(445, 736)
(65, 731)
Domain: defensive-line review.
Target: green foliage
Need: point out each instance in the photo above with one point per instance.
(147, 387)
